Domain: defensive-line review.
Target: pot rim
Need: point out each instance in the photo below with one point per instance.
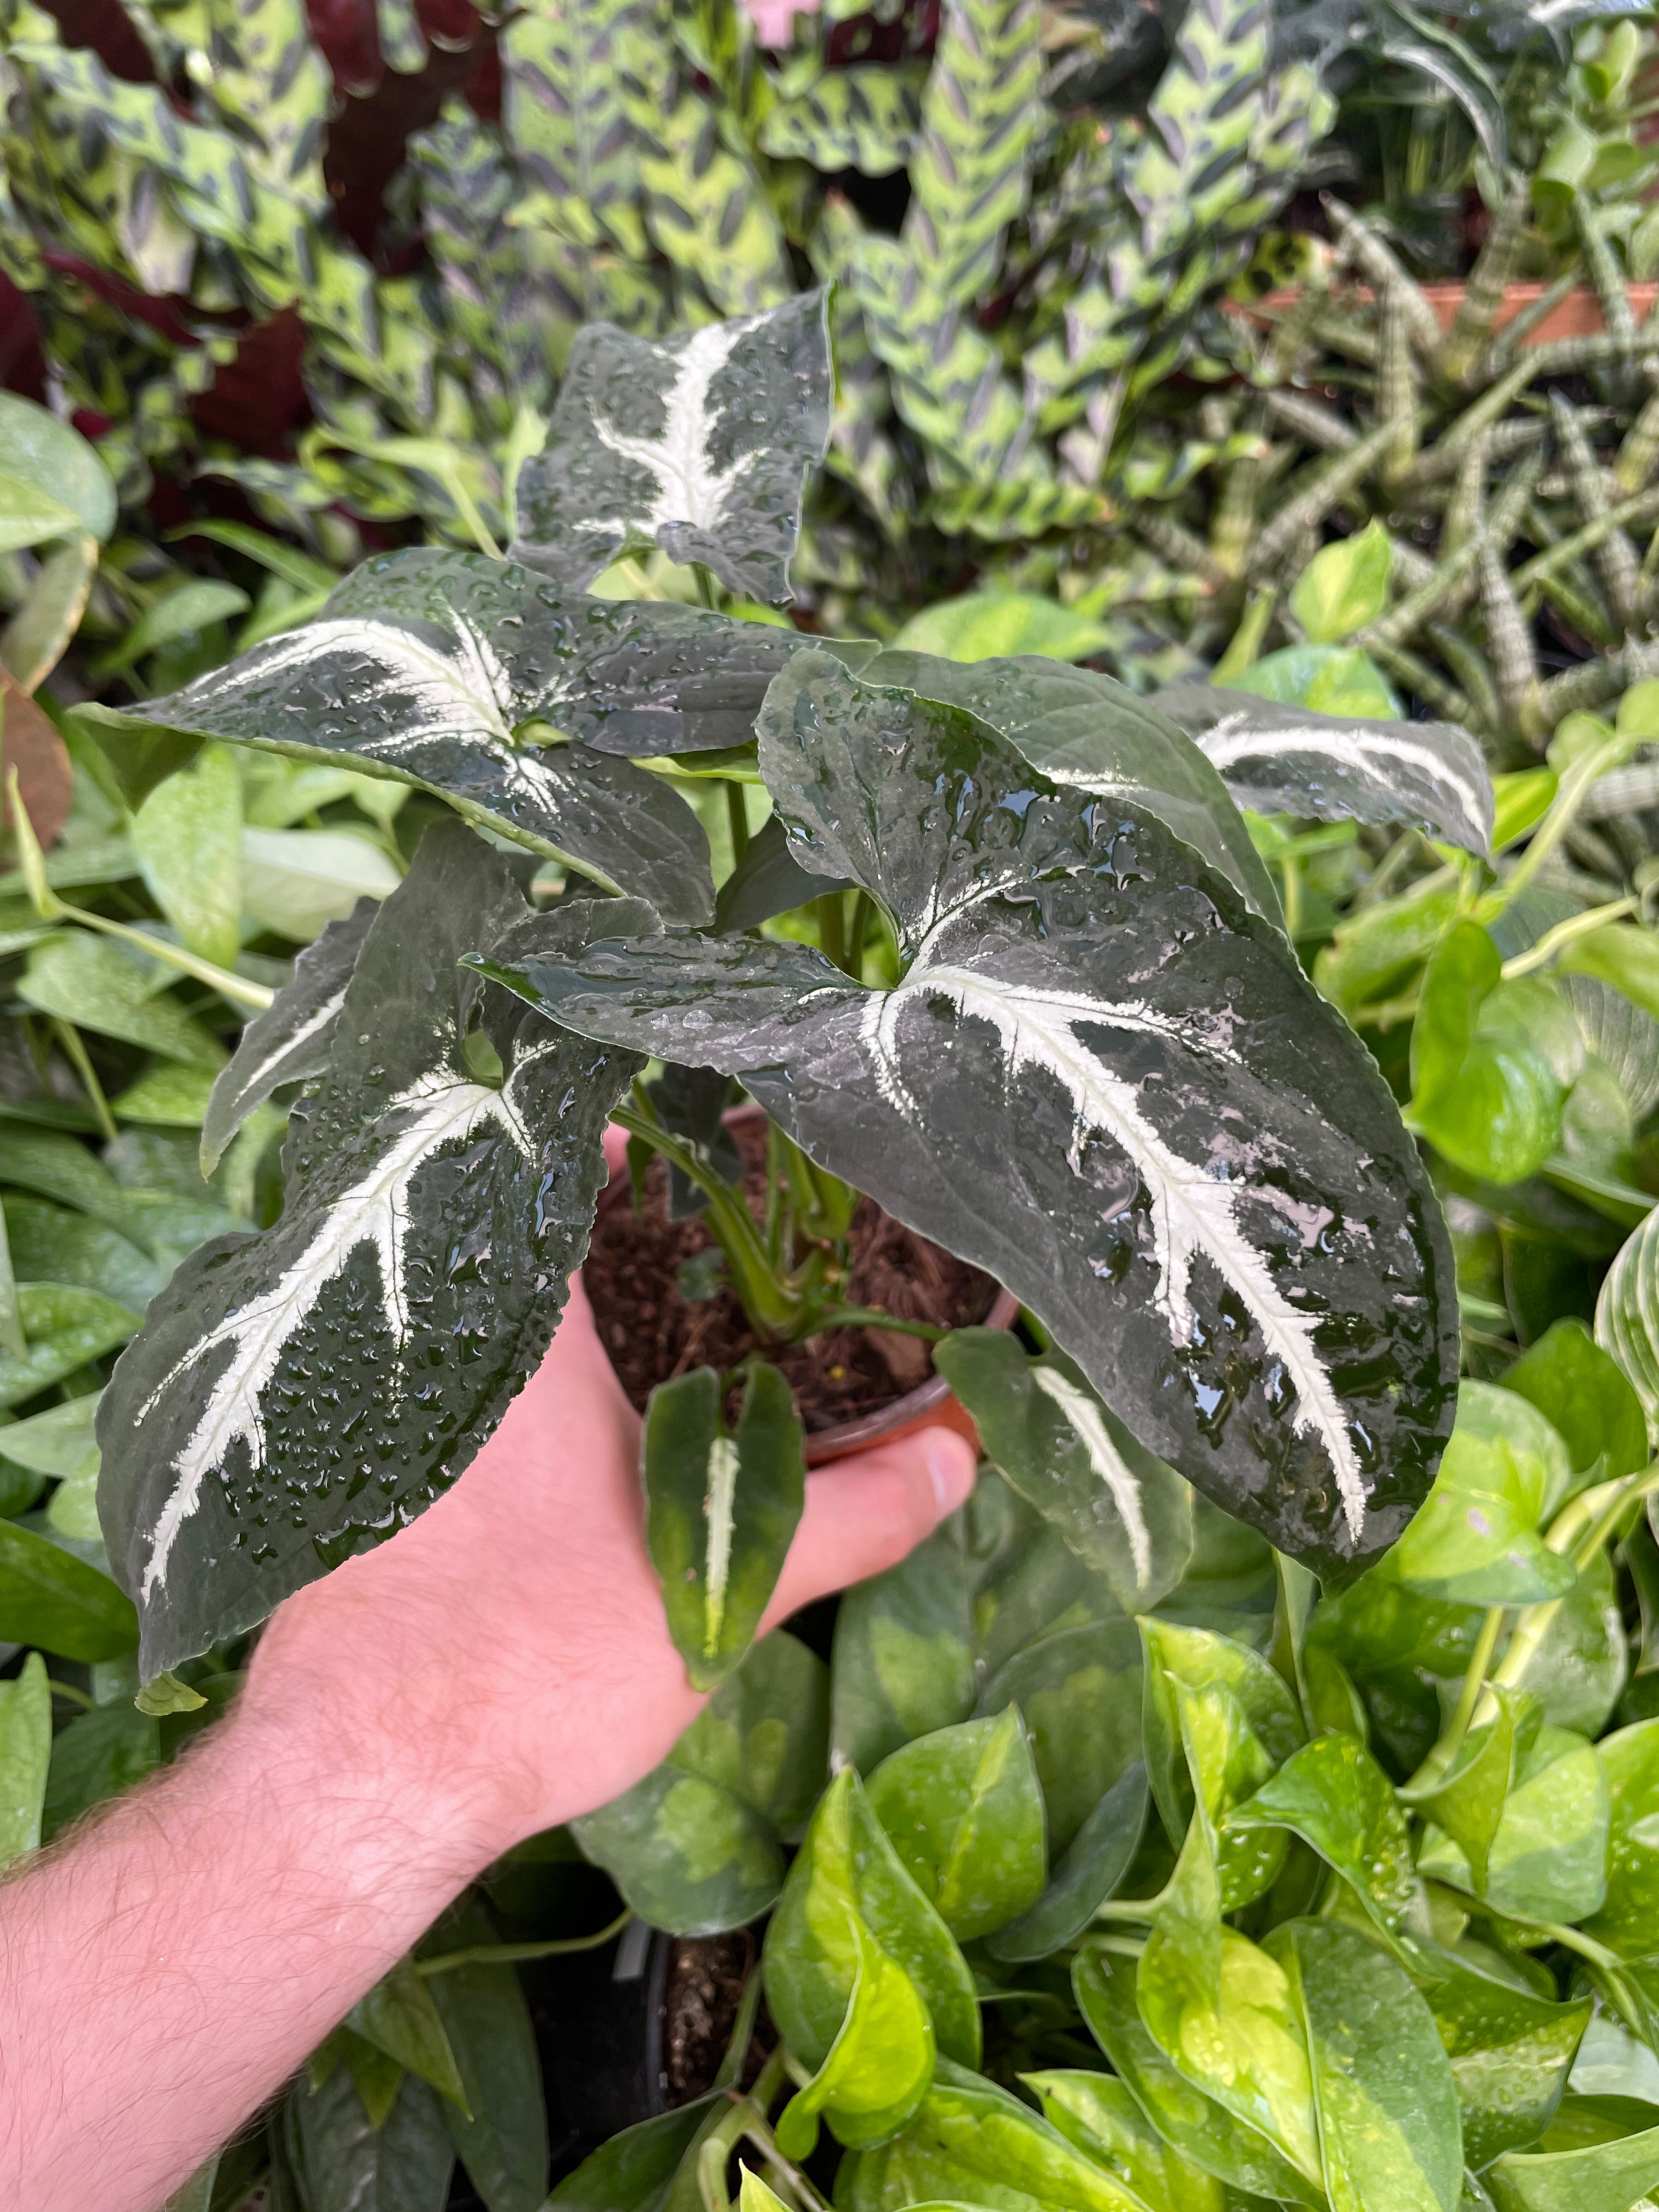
(931, 1404)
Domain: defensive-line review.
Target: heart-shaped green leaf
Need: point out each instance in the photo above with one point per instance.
(963, 1809)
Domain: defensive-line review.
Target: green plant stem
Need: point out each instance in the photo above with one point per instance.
(716, 2152)
(75, 1046)
(1553, 940)
(832, 935)
(857, 929)
(872, 1317)
(1290, 874)
(737, 820)
(1579, 1531)
(703, 580)
(68, 1690)
(1573, 790)
(1439, 1761)
(508, 1955)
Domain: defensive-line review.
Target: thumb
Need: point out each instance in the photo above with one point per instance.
(865, 1513)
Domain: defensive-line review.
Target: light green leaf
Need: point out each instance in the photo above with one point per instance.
(1475, 1539)
(1548, 1858)
(1468, 1801)
(1483, 1092)
(57, 461)
(1327, 679)
(1101, 2116)
(1078, 1692)
(296, 881)
(59, 1442)
(28, 514)
(721, 1510)
(1510, 2049)
(1628, 1920)
(1604, 2177)
(66, 1328)
(1345, 586)
(964, 1810)
(904, 1654)
(37, 635)
(1584, 1395)
(1334, 1795)
(171, 1096)
(1389, 2133)
(190, 606)
(878, 2069)
(25, 1757)
(84, 979)
(188, 837)
(989, 625)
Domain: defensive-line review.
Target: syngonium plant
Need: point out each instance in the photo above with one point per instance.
(1064, 1036)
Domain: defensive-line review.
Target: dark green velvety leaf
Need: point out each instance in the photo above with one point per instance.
(1585, 1396)
(1604, 2177)
(1492, 1105)
(501, 2135)
(964, 1810)
(904, 1655)
(973, 2143)
(291, 1040)
(1389, 2133)
(1094, 1865)
(1078, 1691)
(1101, 2116)
(721, 1510)
(967, 1102)
(49, 1597)
(768, 880)
(1335, 1796)
(425, 667)
(1629, 1918)
(1213, 2137)
(1331, 768)
(879, 2065)
(349, 2165)
(846, 1866)
(211, 1429)
(1511, 2050)
(1476, 1540)
(1122, 1510)
(1086, 732)
(699, 444)
(98, 1754)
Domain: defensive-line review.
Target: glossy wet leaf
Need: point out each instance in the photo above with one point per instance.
(1334, 1795)
(25, 1757)
(846, 1865)
(1468, 1800)
(1605, 2177)
(971, 2141)
(1548, 1857)
(368, 1278)
(1628, 1921)
(1078, 1691)
(1623, 1315)
(500, 2130)
(1256, 1709)
(1491, 1103)
(1390, 2132)
(1120, 1509)
(49, 1597)
(291, 1040)
(1091, 1870)
(1580, 1662)
(964, 1810)
(97, 1755)
(403, 2166)
(879, 2066)
(1345, 586)
(1476, 1540)
(698, 443)
(1510, 2049)
(1206, 2132)
(695, 1846)
(1278, 759)
(188, 837)
(1101, 2116)
(453, 674)
(1585, 1396)
(997, 1067)
(721, 1510)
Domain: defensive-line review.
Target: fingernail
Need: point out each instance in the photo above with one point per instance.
(950, 1465)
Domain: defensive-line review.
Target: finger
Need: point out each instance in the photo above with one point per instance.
(865, 1513)
(615, 1148)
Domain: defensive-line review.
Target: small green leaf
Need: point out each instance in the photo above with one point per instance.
(1334, 1795)
(84, 979)
(1492, 1104)
(25, 1757)
(1604, 2177)
(1510, 2049)
(1585, 1396)
(631, 2173)
(1095, 1862)
(190, 606)
(1390, 2132)
(188, 837)
(66, 1328)
(98, 1754)
(399, 2017)
(878, 2069)
(30, 515)
(164, 1694)
(991, 624)
(405, 2164)
(964, 1810)
(45, 454)
(1475, 1539)
(1326, 679)
(49, 1597)
(1468, 1802)
(1548, 1858)
(1345, 586)
(295, 882)
(721, 1510)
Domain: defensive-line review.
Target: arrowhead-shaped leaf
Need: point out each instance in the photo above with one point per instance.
(1102, 1078)
(452, 672)
(1335, 768)
(274, 1414)
(699, 444)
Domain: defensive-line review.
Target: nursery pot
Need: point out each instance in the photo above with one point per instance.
(1576, 315)
(929, 1404)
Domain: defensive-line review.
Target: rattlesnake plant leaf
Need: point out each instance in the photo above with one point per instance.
(292, 1040)
(1332, 767)
(865, 118)
(1191, 1173)
(699, 444)
(425, 667)
(274, 1415)
(980, 114)
(706, 209)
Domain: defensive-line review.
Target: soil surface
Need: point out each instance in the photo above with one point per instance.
(652, 1333)
(706, 1978)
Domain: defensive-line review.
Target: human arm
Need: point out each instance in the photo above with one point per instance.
(497, 1669)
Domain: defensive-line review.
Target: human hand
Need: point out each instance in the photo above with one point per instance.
(504, 1664)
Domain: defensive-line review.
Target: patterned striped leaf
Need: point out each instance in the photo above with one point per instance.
(866, 118)
(564, 67)
(699, 444)
(971, 173)
(1141, 1165)
(706, 210)
(426, 1210)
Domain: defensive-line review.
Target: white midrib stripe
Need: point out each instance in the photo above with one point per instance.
(719, 1508)
(1192, 1211)
(319, 1020)
(1085, 1419)
(367, 1214)
(679, 459)
(1344, 749)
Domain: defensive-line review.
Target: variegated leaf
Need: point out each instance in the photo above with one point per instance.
(292, 1040)
(276, 1414)
(1335, 767)
(699, 444)
(452, 672)
(1102, 1078)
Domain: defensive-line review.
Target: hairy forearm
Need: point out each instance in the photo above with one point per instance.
(164, 1971)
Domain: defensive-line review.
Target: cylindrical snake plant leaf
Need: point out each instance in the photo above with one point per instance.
(722, 1505)
(1101, 1078)
(277, 1411)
